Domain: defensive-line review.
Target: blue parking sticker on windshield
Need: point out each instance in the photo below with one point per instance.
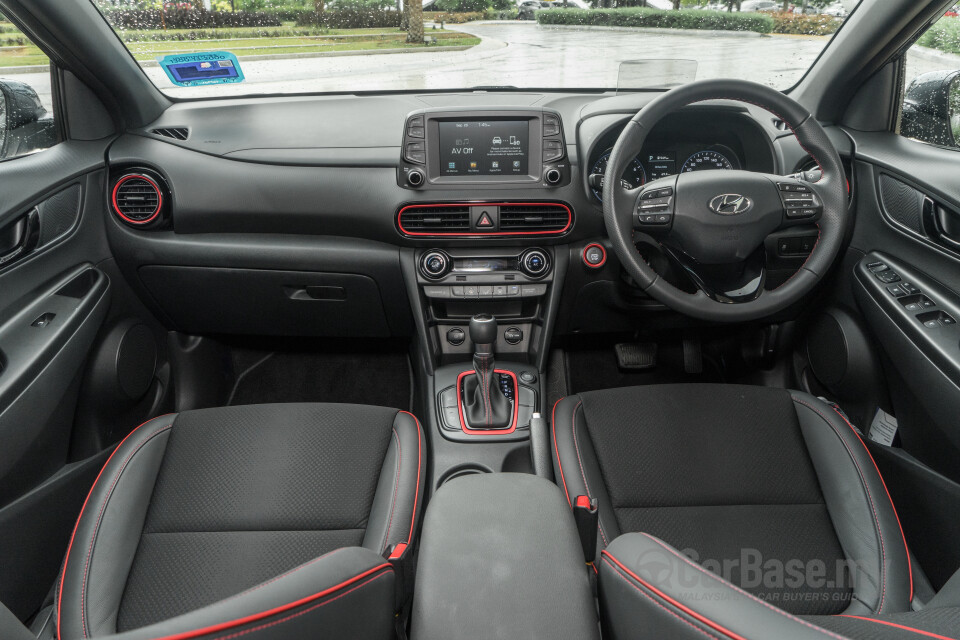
(194, 69)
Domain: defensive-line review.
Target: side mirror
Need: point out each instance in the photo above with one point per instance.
(931, 108)
(25, 125)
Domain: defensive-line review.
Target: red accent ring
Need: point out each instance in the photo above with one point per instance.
(131, 176)
(481, 234)
(583, 255)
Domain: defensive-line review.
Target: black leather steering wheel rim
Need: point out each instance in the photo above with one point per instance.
(619, 205)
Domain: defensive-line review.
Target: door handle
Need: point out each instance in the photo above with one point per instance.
(941, 224)
(20, 238)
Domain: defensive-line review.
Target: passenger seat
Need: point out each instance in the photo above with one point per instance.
(267, 521)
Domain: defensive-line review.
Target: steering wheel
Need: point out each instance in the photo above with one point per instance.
(714, 223)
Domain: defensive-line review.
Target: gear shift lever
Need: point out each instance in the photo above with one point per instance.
(483, 334)
(484, 405)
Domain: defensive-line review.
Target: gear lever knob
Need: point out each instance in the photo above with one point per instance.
(483, 332)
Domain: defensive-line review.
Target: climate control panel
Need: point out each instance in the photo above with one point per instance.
(502, 274)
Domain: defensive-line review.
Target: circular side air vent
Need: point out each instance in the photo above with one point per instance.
(137, 198)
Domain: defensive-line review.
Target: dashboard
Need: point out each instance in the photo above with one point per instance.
(405, 214)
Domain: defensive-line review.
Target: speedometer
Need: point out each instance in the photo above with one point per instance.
(704, 160)
(633, 176)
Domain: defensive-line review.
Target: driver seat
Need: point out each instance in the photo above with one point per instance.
(773, 490)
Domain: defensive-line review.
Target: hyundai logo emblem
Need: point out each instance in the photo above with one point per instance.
(730, 204)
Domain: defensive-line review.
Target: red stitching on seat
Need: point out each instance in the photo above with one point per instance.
(892, 506)
(699, 568)
(73, 535)
(651, 599)
(96, 527)
(929, 634)
(866, 489)
(284, 575)
(576, 446)
(396, 488)
(295, 615)
(416, 495)
(223, 626)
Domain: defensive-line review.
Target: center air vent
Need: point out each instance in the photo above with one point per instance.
(434, 219)
(137, 198)
(177, 133)
(485, 219)
(534, 217)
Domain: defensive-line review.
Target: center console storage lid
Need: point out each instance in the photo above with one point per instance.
(500, 558)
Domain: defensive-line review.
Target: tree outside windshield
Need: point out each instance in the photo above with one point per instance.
(200, 48)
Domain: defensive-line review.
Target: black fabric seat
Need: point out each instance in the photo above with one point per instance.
(761, 486)
(262, 520)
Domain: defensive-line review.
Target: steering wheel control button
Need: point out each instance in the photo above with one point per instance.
(456, 336)
(594, 256)
(513, 335)
(659, 219)
(655, 208)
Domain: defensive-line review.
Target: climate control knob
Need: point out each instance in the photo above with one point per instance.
(435, 264)
(534, 262)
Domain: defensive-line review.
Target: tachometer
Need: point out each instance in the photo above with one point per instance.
(705, 160)
(633, 176)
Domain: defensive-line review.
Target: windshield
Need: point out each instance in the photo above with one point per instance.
(203, 48)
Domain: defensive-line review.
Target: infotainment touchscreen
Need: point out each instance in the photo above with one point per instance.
(484, 147)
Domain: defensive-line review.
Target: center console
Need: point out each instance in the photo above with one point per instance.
(484, 226)
(500, 557)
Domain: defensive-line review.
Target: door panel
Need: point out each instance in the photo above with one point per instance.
(43, 346)
(61, 191)
(898, 180)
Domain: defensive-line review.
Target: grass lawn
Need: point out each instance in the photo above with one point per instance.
(144, 45)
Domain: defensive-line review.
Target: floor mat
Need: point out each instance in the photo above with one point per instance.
(593, 369)
(376, 378)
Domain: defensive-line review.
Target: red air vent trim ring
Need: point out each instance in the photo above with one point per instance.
(153, 183)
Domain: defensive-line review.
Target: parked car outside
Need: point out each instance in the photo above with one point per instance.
(527, 9)
(750, 6)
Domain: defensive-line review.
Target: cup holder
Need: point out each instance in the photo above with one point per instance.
(461, 470)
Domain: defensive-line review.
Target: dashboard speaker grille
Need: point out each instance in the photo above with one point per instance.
(177, 133)
(451, 219)
(533, 217)
(137, 198)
